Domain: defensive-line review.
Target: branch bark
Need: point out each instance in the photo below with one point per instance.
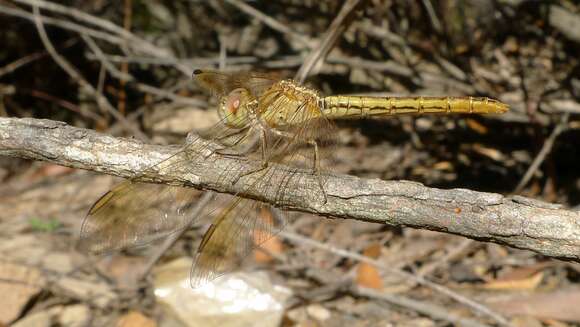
(517, 222)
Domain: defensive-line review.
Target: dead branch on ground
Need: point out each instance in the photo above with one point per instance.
(516, 222)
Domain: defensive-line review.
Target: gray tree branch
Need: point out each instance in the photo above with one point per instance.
(517, 222)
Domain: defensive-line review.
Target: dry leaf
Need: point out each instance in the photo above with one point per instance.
(272, 246)
(443, 166)
(561, 305)
(488, 152)
(50, 170)
(529, 283)
(135, 319)
(367, 274)
(476, 126)
(525, 271)
(373, 251)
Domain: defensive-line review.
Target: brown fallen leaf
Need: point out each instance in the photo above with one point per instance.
(529, 283)
(50, 170)
(272, 246)
(559, 305)
(135, 319)
(525, 271)
(443, 166)
(476, 126)
(488, 152)
(367, 274)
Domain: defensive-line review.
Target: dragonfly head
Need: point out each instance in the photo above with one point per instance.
(234, 108)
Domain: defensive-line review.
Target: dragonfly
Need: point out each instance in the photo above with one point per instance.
(264, 119)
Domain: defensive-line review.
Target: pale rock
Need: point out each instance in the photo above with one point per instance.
(77, 315)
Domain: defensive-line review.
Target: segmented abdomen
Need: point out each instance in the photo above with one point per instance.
(345, 107)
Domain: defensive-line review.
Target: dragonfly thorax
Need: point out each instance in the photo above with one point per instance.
(286, 104)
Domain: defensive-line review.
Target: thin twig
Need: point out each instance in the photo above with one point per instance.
(194, 62)
(334, 31)
(132, 40)
(422, 307)
(5, 10)
(417, 279)
(546, 149)
(11, 67)
(127, 18)
(64, 104)
(69, 69)
(111, 69)
(104, 60)
(435, 22)
(102, 23)
(271, 22)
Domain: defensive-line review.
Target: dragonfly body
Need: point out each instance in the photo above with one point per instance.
(287, 103)
(263, 118)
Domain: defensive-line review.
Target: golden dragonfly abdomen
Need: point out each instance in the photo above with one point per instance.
(354, 107)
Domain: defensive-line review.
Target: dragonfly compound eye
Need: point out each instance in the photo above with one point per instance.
(233, 104)
(233, 107)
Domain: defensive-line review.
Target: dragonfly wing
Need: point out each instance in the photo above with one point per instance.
(138, 213)
(236, 232)
(134, 214)
(221, 83)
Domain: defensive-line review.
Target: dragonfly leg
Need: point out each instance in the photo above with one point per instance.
(316, 168)
(264, 164)
(316, 164)
(223, 149)
(243, 152)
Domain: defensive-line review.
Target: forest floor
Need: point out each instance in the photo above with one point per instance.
(523, 53)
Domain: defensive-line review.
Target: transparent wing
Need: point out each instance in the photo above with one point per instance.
(237, 230)
(220, 84)
(134, 214)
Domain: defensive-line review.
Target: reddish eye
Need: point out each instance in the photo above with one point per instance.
(235, 106)
(233, 103)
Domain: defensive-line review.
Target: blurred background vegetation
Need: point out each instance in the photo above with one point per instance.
(139, 56)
